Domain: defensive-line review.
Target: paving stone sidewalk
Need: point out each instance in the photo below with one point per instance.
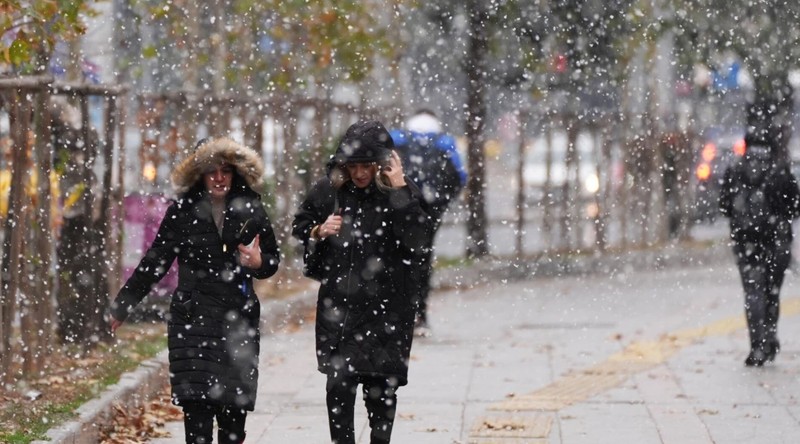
(625, 357)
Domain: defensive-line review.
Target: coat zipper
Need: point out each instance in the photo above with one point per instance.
(350, 270)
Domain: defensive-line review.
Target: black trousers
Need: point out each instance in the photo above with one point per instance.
(762, 271)
(426, 270)
(379, 397)
(198, 422)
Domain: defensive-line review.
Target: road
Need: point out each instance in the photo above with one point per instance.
(630, 357)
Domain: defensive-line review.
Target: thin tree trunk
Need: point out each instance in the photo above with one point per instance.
(570, 226)
(218, 107)
(314, 156)
(285, 186)
(524, 116)
(44, 232)
(603, 173)
(105, 254)
(477, 240)
(119, 195)
(26, 293)
(547, 188)
(93, 289)
(14, 230)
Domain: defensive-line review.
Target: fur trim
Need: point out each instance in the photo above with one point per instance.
(214, 152)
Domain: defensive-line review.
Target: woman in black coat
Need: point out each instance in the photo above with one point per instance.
(761, 197)
(364, 231)
(213, 327)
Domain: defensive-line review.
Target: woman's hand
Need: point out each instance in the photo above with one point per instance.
(250, 255)
(115, 324)
(331, 226)
(394, 172)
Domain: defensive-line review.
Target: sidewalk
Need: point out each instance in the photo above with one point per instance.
(625, 357)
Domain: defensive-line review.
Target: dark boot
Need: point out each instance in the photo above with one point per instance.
(773, 348)
(756, 358)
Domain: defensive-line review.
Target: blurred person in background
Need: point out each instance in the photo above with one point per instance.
(760, 196)
(432, 162)
(220, 234)
(364, 233)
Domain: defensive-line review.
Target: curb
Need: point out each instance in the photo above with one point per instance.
(134, 388)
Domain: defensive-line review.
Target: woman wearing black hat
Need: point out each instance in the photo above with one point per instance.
(219, 232)
(364, 232)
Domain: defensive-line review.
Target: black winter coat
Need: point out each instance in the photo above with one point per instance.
(213, 325)
(365, 307)
(757, 237)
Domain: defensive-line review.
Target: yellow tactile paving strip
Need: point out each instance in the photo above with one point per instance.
(581, 385)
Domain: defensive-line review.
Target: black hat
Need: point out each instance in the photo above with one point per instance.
(364, 142)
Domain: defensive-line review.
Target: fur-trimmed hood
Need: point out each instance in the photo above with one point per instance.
(214, 152)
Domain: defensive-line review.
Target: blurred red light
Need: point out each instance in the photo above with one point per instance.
(739, 147)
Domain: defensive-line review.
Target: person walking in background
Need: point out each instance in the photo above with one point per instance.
(364, 232)
(760, 196)
(220, 234)
(434, 165)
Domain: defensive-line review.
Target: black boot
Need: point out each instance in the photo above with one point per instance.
(773, 348)
(756, 358)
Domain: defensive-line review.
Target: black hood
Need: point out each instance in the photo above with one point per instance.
(364, 142)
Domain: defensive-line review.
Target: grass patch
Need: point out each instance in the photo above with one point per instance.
(443, 262)
(33, 406)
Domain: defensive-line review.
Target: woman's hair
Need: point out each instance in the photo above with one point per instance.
(238, 183)
(339, 176)
(381, 179)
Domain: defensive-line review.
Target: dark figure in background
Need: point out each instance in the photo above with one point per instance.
(761, 197)
(433, 164)
(213, 330)
(365, 228)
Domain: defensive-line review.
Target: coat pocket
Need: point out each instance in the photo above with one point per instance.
(315, 265)
(182, 307)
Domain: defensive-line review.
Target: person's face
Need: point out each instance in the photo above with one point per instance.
(218, 181)
(362, 174)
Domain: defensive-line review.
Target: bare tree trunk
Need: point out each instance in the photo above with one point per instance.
(44, 232)
(524, 116)
(217, 108)
(286, 187)
(603, 173)
(477, 240)
(570, 226)
(28, 297)
(26, 290)
(258, 132)
(633, 202)
(119, 196)
(314, 155)
(623, 197)
(104, 254)
(14, 229)
(189, 116)
(547, 190)
(80, 308)
(684, 167)
(95, 290)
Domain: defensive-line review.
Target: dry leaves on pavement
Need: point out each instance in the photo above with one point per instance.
(140, 424)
